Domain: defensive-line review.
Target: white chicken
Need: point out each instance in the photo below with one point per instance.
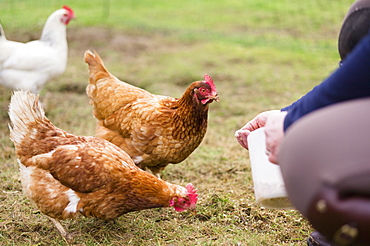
(30, 65)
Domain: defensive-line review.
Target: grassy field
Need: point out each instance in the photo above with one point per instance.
(262, 55)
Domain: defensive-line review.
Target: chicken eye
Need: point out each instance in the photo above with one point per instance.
(183, 202)
(203, 90)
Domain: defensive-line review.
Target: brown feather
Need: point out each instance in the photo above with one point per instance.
(66, 175)
(154, 130)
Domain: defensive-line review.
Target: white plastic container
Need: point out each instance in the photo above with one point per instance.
(269, 188)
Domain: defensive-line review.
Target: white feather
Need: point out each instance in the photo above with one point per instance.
(137, 159)
(73, 201)
(30, 65)
(25, 177)
(24, 109)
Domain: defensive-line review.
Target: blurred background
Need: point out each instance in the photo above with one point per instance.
(308, 23)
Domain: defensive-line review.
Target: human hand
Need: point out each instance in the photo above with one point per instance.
(274, 130)
(259, 121)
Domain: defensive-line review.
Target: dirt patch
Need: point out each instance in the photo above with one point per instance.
(113, 40)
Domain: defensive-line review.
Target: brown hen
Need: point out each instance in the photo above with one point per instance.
(66, 175)
(154, 130)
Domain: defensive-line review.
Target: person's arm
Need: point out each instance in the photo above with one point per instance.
(350, 81)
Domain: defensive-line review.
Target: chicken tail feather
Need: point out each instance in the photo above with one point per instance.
(24, 110)
(2, 33)
(96, 66)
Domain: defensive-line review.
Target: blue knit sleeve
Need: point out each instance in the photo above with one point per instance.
(350, 81)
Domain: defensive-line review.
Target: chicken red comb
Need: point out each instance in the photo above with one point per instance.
(68, 9)
(192, 193)
(208, 79)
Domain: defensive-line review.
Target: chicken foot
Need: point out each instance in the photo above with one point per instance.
(66, 236)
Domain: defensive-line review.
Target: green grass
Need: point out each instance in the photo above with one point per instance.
(262, 55)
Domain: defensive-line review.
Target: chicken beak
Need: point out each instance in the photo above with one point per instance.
(210, 98)
(215, 98)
